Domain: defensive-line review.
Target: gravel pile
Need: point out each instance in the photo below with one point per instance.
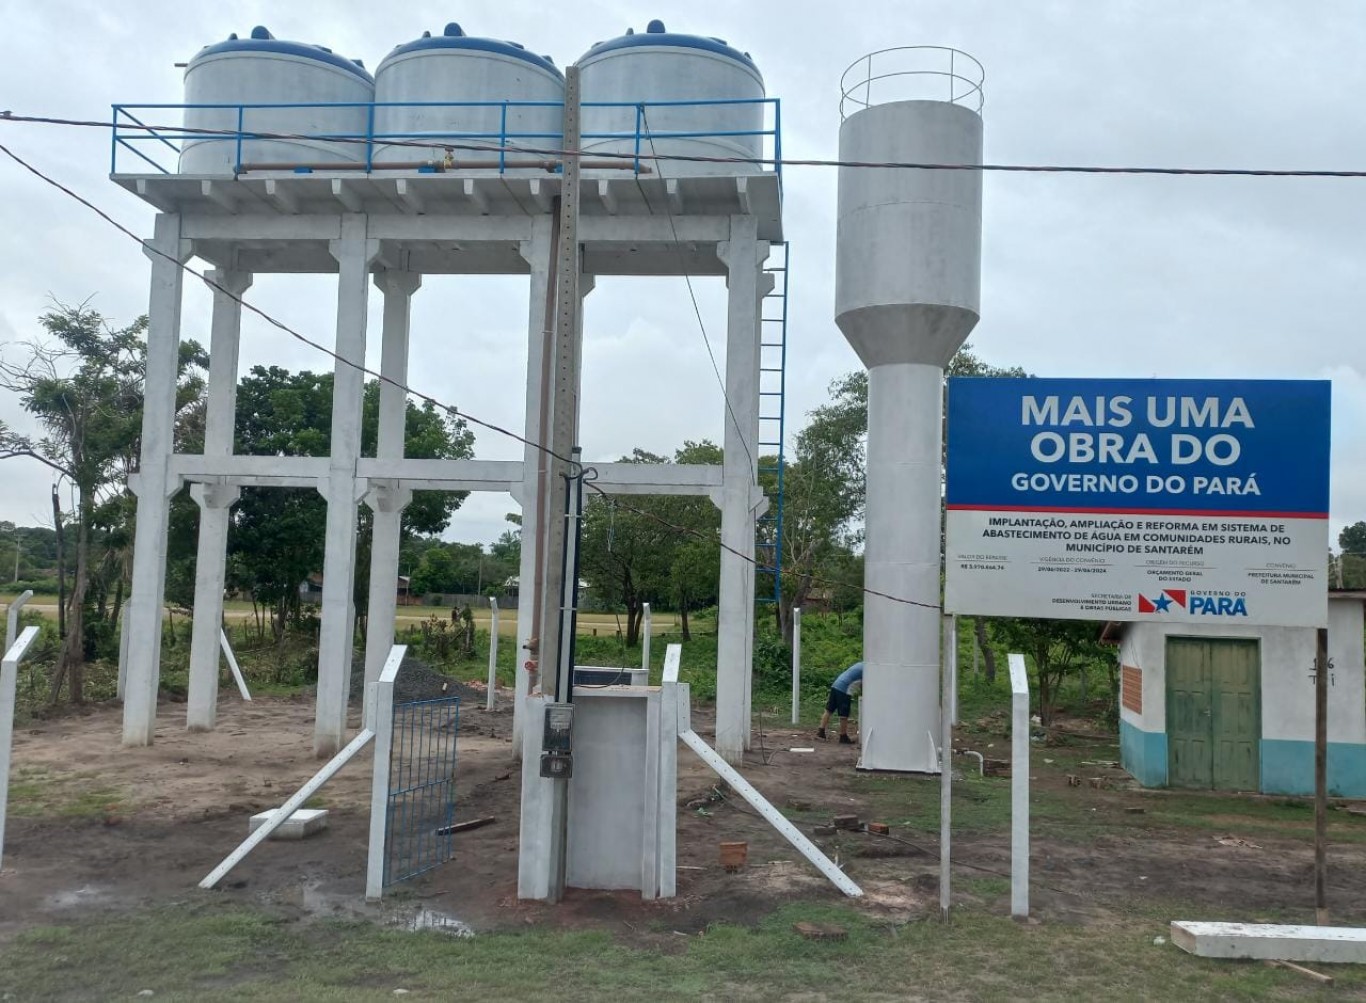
(416, 681)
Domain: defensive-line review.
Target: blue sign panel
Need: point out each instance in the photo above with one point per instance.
(1185, 501)
(1139, 446)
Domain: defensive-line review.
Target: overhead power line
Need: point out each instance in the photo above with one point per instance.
(576, 468)
(785, 162)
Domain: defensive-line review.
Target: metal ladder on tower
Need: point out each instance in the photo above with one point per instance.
(768, 549)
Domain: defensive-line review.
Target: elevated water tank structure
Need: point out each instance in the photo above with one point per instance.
(456, 68)
(659, 66)
(907, 281)
(262, 69)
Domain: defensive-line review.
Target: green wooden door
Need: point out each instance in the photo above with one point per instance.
(1235, 688)
(1213, 713)
(1190, 761)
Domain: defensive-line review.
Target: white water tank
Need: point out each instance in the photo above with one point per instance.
(261, 70)
(656, 67)
(456, 68)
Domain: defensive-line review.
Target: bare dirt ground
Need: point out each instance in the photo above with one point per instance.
(97, 827)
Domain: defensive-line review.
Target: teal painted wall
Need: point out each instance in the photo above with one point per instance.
(1288, 768)
(1144, 754)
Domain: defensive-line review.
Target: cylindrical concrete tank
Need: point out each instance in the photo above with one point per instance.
(907, 282)
(455, 67)
(909, 242)
(662, 66)
(262, 69)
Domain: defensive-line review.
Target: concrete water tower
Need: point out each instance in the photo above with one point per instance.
(907, 282)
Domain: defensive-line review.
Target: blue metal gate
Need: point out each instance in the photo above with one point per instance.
(421, 808)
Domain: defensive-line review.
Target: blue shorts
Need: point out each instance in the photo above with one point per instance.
(839, 703)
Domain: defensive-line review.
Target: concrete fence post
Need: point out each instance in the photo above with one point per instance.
(1019, 788)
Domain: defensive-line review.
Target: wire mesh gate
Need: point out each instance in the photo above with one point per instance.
(420, 808)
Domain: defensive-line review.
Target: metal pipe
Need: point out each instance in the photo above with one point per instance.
(981, 760)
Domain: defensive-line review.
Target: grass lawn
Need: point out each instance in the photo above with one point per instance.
(203, 951)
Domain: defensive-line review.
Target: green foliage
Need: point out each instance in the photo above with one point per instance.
(1352, 539)
(276, 540)
(661, 550)
(83, 384)
(1054, 649)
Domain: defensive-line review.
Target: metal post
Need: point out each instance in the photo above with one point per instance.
(493, 651)
(946, 701)
(1019, 788)
(1321, 779)
(796, 663)
(645, 640)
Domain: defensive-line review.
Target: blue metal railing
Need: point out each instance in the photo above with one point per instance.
(133, 134)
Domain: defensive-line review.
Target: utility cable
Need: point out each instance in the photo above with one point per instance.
(1235, 172)
(576, 468)
(275, 322)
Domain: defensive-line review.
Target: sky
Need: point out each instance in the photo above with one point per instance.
(1081, 276)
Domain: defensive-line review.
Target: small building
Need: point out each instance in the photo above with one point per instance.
(1232, 708)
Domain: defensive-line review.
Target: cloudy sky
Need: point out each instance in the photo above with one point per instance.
(1081, 276)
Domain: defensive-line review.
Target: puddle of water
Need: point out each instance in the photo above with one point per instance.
(430, 919)
(78, 898)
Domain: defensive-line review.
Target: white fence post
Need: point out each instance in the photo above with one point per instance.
(1019, 788)
(493, 652)
(383, 703)
(796, 663)
(645, 641)
(12, 619)
(9, 673)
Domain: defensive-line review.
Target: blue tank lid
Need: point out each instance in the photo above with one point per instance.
(454, 37)
(261, 40)
(656, 34)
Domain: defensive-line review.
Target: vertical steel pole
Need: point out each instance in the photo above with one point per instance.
(946, 683)
(1321, 779)
(796, 663)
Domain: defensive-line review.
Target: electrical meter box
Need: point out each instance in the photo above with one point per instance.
(557, 742)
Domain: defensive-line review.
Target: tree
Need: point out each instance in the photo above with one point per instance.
(1352, 539)
(277, 536)
(662, 549)
(436, 572)
(1056, 648)
(83, 385)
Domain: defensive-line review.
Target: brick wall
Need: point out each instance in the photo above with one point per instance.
(1131, 688)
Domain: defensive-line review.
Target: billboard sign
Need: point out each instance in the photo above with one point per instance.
(1193, 501)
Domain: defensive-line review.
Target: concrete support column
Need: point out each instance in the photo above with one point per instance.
(215, 500)
(388, 501)
(354, 252)
(744, 255)
(210, 570)
(536, 252)
(899, 727)
(153, 483)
